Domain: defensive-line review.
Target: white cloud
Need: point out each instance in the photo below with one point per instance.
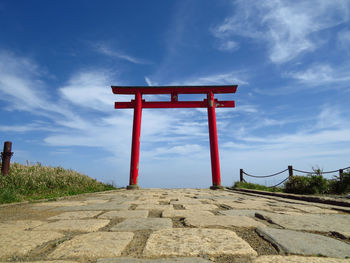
(321, 74)
(228, 78)
(20, 83)
(105, 49)
(90, 89)
(285, 26)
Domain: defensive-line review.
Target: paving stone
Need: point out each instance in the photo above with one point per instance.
(154, 207)
(125, 214)
(312, 222)
(159, 260)
(87, 225)
(186, 213)
(297, 259)
(20, 225)
(50, 261)
(96, 207)
(295, 242)
(133, 224)
(240, 205)
(194, 242)
(93, 245)
(144, 202)
(75, 215)
(225, 221)
(203, 207)
(240, 212)
(60, 203)
(19, 243)
(314, 209)
(96, 201)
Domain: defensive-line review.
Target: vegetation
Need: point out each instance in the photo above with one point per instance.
(309, 184)
(38, 182)
(257, 187)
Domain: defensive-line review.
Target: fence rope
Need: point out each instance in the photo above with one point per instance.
(265, 176)
(279, 183)
(328, 172)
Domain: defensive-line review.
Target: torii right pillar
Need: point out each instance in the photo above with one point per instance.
(213, 140)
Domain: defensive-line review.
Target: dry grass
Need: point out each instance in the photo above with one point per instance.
(38, 182)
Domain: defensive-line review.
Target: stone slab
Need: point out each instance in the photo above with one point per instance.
(75, 215)
(240, 212)
(125, 214)
(297, 259)
(154, 207)
(158, 260)
(50, 261)
(93, 245)
(133, 224)
(314, 209)
(20, 243)
(96, 207)
(225, 221)
(60, 203)
(203, 207)
(185, 213)
(194, 242)
(301, 243)
(312, 222)
(19, 225)
(88, 225)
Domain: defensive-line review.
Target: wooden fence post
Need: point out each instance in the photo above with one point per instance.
(341, 175)
(241, 175)
(5, 158)
(290, 170)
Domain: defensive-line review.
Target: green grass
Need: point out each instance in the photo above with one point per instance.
(41, 182)
(257, 187)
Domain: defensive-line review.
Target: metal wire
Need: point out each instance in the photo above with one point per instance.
(265, 176)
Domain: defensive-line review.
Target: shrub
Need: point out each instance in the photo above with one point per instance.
(310, 184)
(335, 186)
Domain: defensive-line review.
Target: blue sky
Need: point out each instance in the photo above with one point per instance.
(290, 59)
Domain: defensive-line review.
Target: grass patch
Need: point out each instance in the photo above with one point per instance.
(257, 187)
(310, 184)
(40, 182)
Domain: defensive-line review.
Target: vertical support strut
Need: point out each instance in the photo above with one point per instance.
(135, 146)
(213, 139)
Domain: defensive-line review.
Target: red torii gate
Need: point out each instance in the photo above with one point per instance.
(138, 104)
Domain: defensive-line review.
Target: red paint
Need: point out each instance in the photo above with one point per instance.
(175, 104)
(174, 89)
(136, 133)
(213, 139)
(210, 103)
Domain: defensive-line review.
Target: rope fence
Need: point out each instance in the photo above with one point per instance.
(290, 170)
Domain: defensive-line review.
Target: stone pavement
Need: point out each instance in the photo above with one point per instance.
(174, 225)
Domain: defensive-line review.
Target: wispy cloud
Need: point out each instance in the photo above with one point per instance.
(344, 40)
(228, 78)
(286, 27)
(321, 74)
(90, 89)
(107, 50)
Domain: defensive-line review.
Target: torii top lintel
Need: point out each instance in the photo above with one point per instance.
(174, 89)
